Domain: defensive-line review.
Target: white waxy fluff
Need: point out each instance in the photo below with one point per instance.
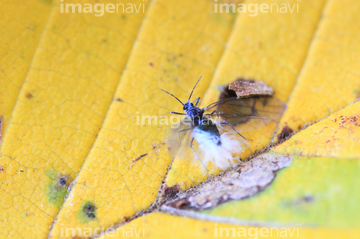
(222, 156)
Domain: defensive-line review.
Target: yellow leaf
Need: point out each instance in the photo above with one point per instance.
(60, 108)
(127, 164)
(21, 25)
(83, 145)
(330, 77)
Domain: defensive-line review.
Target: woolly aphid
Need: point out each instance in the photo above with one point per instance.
(217, 144)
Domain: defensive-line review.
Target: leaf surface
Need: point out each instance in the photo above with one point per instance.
(330, 77)
(60, 108)
(83, 147)
(113, 177)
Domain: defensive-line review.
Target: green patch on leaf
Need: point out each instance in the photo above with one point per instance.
(87, 212)
(57, 187)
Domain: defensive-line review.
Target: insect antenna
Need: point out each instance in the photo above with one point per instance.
(194, 88)
(172, 95)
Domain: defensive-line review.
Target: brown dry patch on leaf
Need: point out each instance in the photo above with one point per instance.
(29, 95)
(249, 179)
(246, 87)
(169, 193)
(286, 132)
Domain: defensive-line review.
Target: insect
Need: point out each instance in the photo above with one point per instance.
(208, 125)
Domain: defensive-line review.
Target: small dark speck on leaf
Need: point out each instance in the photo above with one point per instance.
(285, 133)
(29, 95)
(151, 64)
(170, 192)
(62, 181)
(119, 99)
(308, 198)
(21, 170)
(304, 199)
(89, 210)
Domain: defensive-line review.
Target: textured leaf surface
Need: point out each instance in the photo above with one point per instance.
(59, 111)
(76, 154)
(330, 78)
(336, 136)
(117, 185)
(21, 26)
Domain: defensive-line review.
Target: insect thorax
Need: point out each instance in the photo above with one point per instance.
(195, 113)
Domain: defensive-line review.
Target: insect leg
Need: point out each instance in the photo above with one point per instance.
(226, 123)
(177, 113)
(191, 144)
(183, 130)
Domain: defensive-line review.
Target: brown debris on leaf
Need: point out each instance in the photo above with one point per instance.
(246, 88)
(249, 179)
(349, 120)
(286, 132)
(137, 159)
(169, 193)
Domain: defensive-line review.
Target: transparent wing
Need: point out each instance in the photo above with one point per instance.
(179, 133)
(247, 114)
